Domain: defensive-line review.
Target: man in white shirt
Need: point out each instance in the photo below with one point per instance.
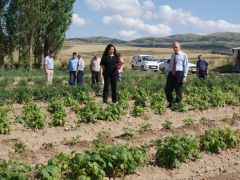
(95, 69)
(177, 75)
(80, 73)
(48, 68)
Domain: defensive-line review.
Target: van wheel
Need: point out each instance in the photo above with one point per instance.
(142, 68)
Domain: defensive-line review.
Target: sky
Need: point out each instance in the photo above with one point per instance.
(132, 19)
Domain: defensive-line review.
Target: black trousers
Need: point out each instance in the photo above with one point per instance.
(80, 75)
(202, 74)
(110, 80)
(95, 77)
(174, 83)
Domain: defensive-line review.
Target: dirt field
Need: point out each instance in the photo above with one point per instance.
(225, 165)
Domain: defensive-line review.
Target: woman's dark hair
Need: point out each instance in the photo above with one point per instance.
(107, 49)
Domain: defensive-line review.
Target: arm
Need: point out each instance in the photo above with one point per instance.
(101, 71)
(185, 68)
(45, 69)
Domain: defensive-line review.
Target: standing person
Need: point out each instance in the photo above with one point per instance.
(120, 69)
(177, 75)
(80, 73)
(109, 64)
(73, 64)
(48, 67)
(95, 69)
(202, 67)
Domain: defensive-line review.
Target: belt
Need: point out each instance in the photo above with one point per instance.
(50, 69)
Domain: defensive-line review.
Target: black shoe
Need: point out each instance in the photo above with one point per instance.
(105, 102)
(170, 105)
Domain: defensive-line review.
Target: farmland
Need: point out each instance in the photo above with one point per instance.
(63, 132)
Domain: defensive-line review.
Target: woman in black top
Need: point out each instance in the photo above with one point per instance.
(109, 65)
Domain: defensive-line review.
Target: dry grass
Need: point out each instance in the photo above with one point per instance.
(87, 51)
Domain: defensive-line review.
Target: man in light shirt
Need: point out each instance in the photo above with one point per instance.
(95, 69)
(177, 75)
(73, 65)
(48, 67)
(80, 73)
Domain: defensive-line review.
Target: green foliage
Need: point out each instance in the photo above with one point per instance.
(4, 121)
(23, 94)
(181, 107)
(215, 140)
(74, 140)
(167, 125)
(138, 111)
(59, 115)
(103, 134)
(113, 112)
(89, 113)
(32, 117)
(145, 127)
(188, 121)
(158, 103)
(14, 170)
(128, 131)
(20, 146)
(176, 149)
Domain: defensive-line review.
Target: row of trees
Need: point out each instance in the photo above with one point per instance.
(31, 28)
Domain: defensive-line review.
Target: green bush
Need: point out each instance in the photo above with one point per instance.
(32, 117)
(4, 121)
(177, 149)
(215, 140)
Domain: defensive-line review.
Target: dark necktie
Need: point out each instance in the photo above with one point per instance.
(174, 66)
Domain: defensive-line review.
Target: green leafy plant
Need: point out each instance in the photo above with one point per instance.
(32, 117)
(128, 131)
(215, 140)
(59, 114)
(89, 113)
(158, 103)
(145, 127)
(14, 170)
(188, 121)
(103, 134)
(181, 107)
(176, 149)
(138, 111)
(113, 112)
(4, 121)
(74, 140)
(167, 125)
(20, 146)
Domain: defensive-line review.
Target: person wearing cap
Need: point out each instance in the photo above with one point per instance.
(49, 67)
(95, 69)
(177, 75)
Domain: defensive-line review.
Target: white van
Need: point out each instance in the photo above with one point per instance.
(144, 62)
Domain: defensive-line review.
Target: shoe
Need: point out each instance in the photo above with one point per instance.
(170, 105)
(105, 102)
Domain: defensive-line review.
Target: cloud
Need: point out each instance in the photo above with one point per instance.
(137, 24)
(129, 8)
(181, 17)
(148, 4)
(129, 34)
(78, 21)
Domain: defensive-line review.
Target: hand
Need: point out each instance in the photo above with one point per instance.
(184, 80)
(46, 72)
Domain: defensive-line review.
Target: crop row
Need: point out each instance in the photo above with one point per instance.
(120, 160)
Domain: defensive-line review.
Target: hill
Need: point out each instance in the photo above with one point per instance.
(216, 43)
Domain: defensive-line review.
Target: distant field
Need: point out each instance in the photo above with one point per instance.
(87, 51)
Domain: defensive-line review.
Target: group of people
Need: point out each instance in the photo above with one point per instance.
(109, 69)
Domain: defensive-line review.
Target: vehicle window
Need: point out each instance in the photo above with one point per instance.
(149, 58)
(168, 61)
(139, 59)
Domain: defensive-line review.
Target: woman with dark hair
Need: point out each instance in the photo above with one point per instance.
(109, 71)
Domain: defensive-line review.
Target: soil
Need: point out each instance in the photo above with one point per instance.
(225, 165)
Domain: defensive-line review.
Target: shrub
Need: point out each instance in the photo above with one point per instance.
(4, 122)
